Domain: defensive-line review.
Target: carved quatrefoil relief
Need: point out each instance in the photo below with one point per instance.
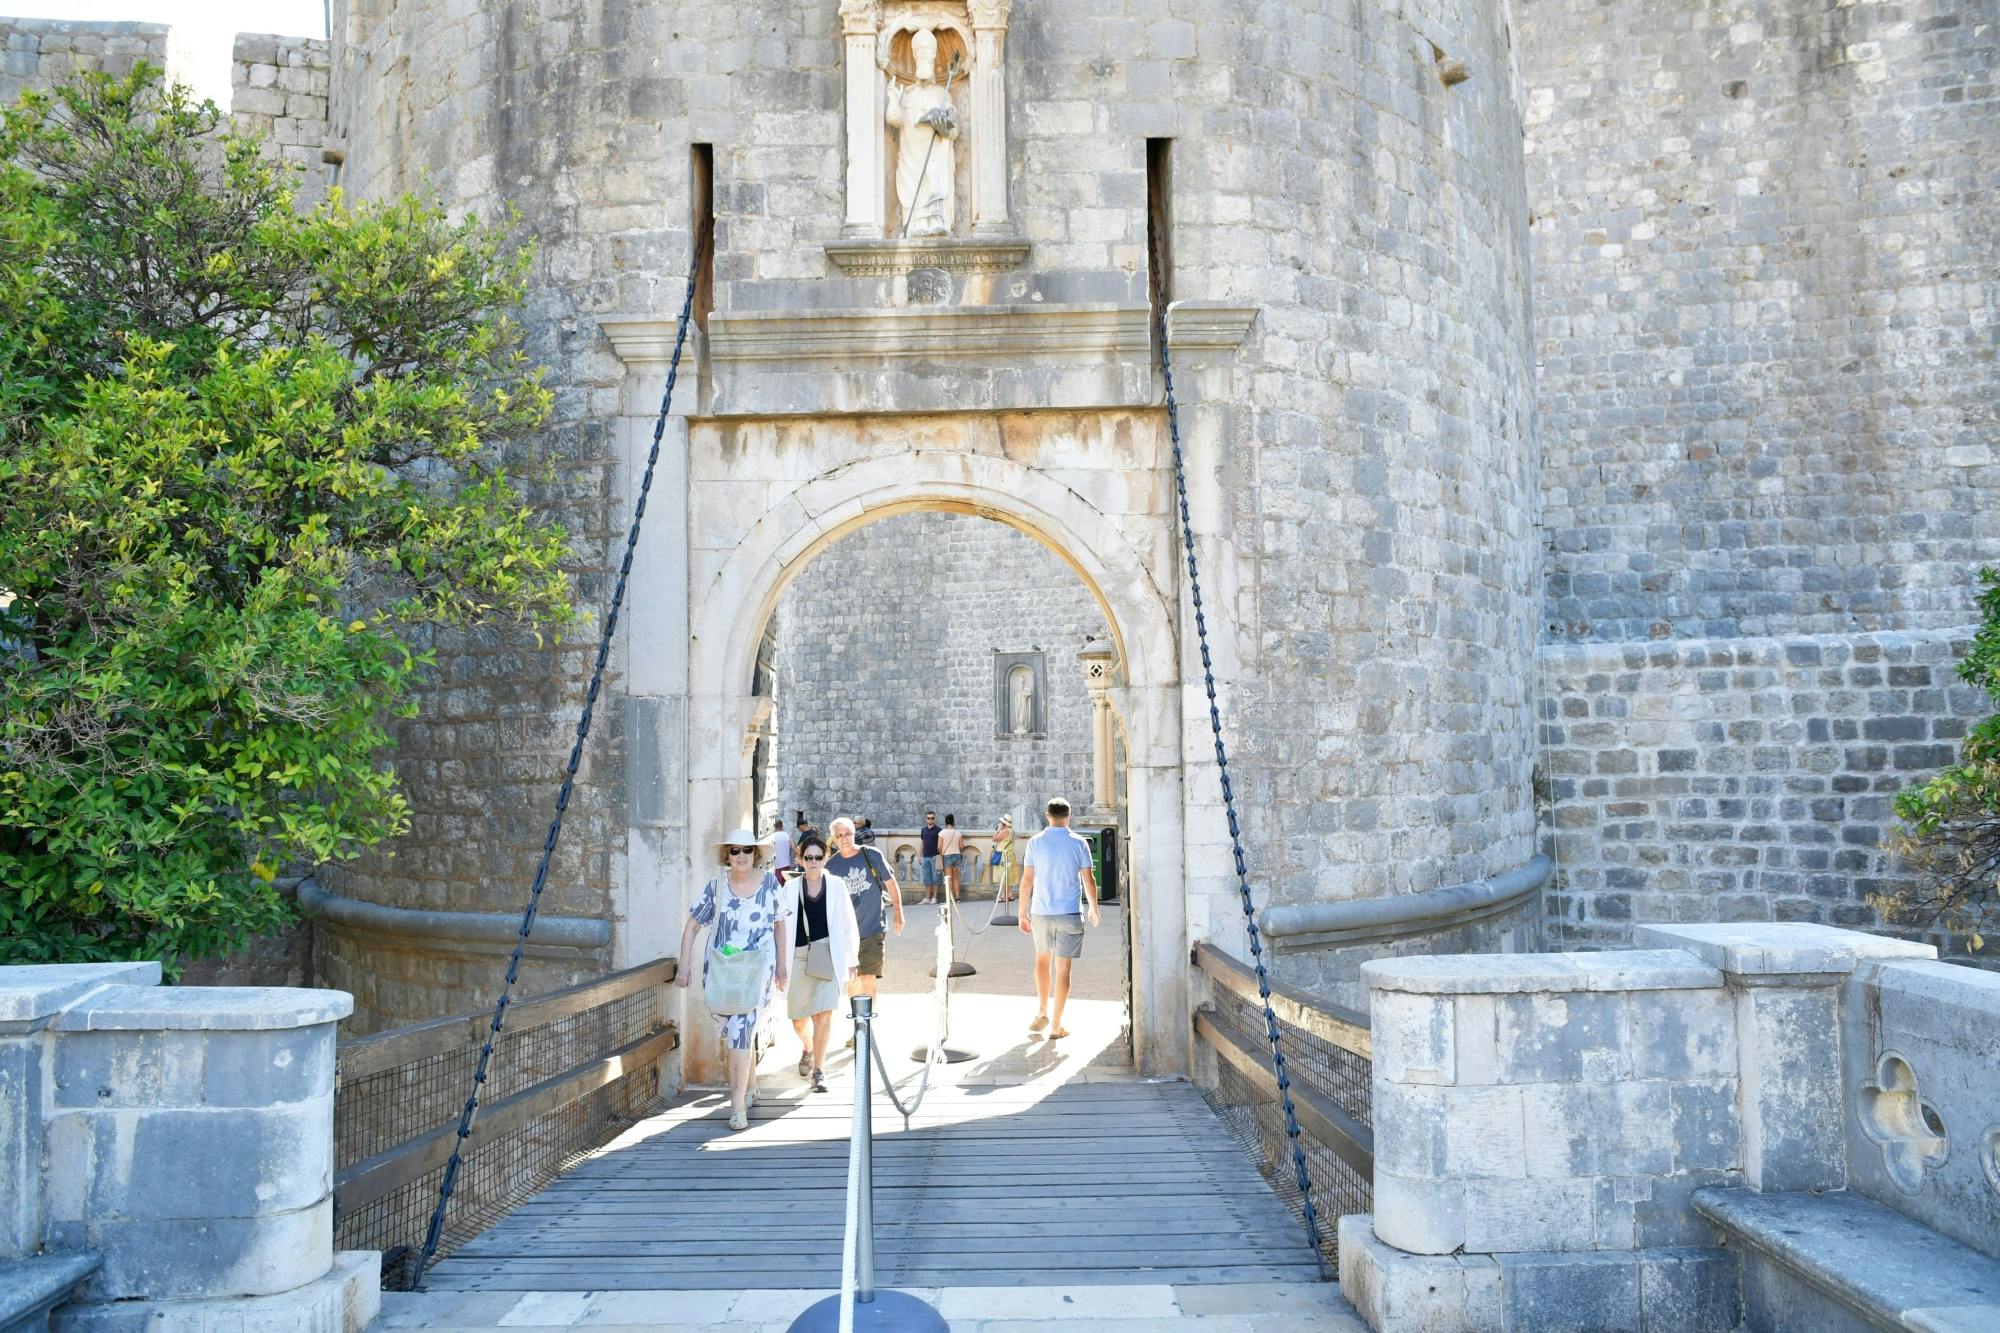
(1909, 1129)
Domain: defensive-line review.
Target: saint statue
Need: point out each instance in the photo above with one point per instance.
(1021, 700)
(923, 114)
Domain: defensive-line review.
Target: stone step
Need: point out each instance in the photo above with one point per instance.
(1248, 1307)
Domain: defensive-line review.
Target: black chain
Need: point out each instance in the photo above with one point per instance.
(466, 1118)
(1313, 1235)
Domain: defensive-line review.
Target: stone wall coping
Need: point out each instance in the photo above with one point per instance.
(1519, 973)
(1780, 947)
(1950, 984)
(39, 990)
(205, 1009)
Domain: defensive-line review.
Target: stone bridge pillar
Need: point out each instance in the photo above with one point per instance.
(183, 1137)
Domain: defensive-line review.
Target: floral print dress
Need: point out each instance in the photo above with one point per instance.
(747, 923)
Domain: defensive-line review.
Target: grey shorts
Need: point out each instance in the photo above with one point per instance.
(1059, 935)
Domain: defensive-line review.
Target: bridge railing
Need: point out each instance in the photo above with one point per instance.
(1329, 1058)
(570, 1069)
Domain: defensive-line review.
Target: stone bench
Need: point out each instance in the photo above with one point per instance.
(1834, 1262)
(30, 1288)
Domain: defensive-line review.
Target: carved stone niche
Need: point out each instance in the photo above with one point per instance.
(926, 108)
(1020, 695)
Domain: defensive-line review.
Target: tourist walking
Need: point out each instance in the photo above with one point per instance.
(827, 955)
(872, 888)
(933, 873)
(1057, 893)
(1005, 859)
(746, 908)
(951, 855)
(781, 847)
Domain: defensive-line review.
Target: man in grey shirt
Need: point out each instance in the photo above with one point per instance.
(1058, 893)
(873, 888)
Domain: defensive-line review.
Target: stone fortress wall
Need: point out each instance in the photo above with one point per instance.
(1765, 237)
(39, 52)
(1765, 411)
(1373, 599)
(885, 700)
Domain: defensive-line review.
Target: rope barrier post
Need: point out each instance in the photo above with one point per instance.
(941, 972)
(858, 1305)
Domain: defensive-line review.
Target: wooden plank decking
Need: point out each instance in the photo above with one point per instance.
(1095, 1182)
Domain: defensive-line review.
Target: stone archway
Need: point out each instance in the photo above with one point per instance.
(1087, 485)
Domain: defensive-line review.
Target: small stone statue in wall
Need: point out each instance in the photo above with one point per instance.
(925, 169)
(1021, 700)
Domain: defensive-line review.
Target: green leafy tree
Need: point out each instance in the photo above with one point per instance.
(1951, 824)
(247, 463)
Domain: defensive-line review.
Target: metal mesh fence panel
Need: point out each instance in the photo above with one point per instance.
(385, 1110)
(1257, 1124)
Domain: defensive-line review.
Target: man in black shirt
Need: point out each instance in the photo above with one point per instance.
(933, 866)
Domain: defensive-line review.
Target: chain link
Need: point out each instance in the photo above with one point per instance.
(1313, 1235)
(470, 1114)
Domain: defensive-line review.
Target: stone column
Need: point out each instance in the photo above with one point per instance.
(1785, 981)
(1098, 663)
(989, 117)
(865, 186)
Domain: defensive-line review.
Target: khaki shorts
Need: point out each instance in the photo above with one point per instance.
(871, 956)
(1059, 935)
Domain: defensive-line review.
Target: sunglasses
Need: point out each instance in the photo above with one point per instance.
(741, 851)
(815, 858)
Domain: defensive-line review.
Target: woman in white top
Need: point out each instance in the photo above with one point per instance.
(750, 912)
(828, 953)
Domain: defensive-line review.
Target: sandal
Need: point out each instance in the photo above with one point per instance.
(739, 1121)
(1041, 1021)
(1058, 1032)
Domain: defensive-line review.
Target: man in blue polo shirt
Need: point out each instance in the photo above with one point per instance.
(1056, 889)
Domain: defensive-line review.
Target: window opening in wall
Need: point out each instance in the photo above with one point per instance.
(701, 213)
(1159, 239)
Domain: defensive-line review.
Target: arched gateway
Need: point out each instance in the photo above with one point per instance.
(765, 494)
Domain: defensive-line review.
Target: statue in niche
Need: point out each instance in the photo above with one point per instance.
(927, 128)
(1021, 700)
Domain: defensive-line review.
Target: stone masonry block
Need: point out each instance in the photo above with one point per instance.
(1682, 1034)
(206, 1257)
(1706, 1127)
(1560, 1038)
(348, 1299)
(1694, 1289)
(1476, 1038)
(1413, 1036)
(193, 1163)
(1564, 1124)
(1484, 1133)
(110, 1070)
(21, 1138)
(1421, 1216)
(1410, 1121)
(1416, 1293)
(1513, 1216)
(1790, 1073)
(1570, 1293)
(268, 1068)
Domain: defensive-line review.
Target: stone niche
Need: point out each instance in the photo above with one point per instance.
(1020, 694)
(926, 108)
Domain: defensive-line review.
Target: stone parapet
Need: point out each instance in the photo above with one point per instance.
(184, 1136)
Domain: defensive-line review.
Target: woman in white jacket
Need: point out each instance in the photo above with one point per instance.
(828, 953)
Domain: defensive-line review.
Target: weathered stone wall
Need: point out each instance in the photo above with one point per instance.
(1763, 246)
(1764, 236)
(35, 53)
(885, 677)
(278, 88)
(1746, 778)
(1363, 469)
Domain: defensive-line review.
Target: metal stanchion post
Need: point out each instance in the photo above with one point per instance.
(868, 1309)
(951, 1055)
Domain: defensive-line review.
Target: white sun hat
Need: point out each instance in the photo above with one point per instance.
(739, 837)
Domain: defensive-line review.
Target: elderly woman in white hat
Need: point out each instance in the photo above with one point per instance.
(747, 956)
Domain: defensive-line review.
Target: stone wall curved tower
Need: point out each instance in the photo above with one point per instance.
(1361, 463)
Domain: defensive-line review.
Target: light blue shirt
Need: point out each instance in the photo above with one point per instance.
(1057, 856)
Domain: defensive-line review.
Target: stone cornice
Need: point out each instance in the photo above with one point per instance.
(869, 258)
(912, 333)
(1207, 325)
